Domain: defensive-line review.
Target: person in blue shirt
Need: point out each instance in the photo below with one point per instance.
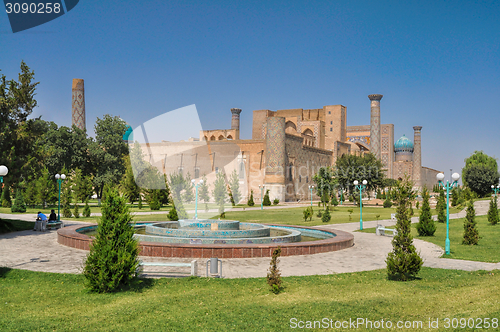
(41, 222)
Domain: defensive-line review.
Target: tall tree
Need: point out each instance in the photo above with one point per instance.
(493, 211)
(479, 178)
(351, 167)
(18, 134)
(441, 206)
(220, 192)
(325, 183)
(107, 151)
(403, 262)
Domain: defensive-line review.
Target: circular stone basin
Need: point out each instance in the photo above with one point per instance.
(221, 224)
(174, 229)
(314, 240)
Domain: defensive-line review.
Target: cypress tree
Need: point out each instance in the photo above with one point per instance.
(172, 214)
(66, 202)
(86, 209)
(471, 235)
(326, 217)
(250, 200)
(441, 207)
(493, 212)
(335, 202)
(426, 226)
(267, 201)
(403, 262)
(76, 212)
(139, 204)
(19, 205)
(6, 200)
(113, 258)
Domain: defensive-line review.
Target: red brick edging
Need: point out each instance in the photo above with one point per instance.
(68, 236)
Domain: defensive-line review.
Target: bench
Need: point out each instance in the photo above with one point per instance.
(193, 265)
(380, 230)
(56, 225)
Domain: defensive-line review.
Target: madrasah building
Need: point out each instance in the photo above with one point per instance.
(286, 150)
(288, 147)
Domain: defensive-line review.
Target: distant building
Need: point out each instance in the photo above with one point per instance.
(288, 147)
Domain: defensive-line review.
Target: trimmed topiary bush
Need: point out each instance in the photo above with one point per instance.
(471, 234)
(493, 211)
(274, 275)
(387, 203)
(267, 201)
(250, 200)
(326, 217)
(172, 214)
(276, 201)
(113, 259)
(426, 226)
(6, 200)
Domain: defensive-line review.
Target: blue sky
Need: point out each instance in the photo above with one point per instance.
(436, 63)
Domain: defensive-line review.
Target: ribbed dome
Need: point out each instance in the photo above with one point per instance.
(403, 145)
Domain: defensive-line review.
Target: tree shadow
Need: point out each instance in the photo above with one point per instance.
(4, 271)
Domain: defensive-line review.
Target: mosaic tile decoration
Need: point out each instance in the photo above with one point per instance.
(275, 145)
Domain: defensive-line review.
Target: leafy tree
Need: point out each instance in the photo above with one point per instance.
(426, 226)
(18, 134)
(403, 262)
(325, 183)
(107, 152)
(351, 167)
(86, 209)
(387, 202)
(220, 192)
(479, 178)
(47, 188)
(81, 185)
(267, 201)
(493, 211)
(6, 200)
(18, 205)
(234, 184)
(441, 206)
(471, 234)
(250, 200)
(66, 147)
(480, 158)
(30, 194)
(308, 213)
(113, 259)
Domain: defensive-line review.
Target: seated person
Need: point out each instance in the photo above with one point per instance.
(41, 222)
(52, 216)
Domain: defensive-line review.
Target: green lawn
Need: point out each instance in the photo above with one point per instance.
(486, 251)
(58, 302)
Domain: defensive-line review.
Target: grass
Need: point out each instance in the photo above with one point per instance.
(12, 225)
(58, 302)
(487, 250)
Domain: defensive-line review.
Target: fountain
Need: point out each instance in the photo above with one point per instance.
(219, 238)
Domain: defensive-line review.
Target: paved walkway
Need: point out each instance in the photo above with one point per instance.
(40, 252)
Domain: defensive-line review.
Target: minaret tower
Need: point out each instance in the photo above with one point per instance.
(78, 104)
(375, 142)
(417, 156)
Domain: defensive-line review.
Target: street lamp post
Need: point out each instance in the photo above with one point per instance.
(3, 172)
(311, 190)
(341, 195)
(261, 200)
(360, 188)
(196, 199)
(495, 189)
(60, 179)
(448, 186)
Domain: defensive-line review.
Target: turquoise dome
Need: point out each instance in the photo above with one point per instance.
(403, 145)
(128, 134)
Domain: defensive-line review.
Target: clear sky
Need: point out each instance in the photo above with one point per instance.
(437, 63)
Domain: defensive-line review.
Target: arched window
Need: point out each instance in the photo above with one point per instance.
(221, 137)
(308, 132)
(290, 127)
(212, 138)
(229, 137)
